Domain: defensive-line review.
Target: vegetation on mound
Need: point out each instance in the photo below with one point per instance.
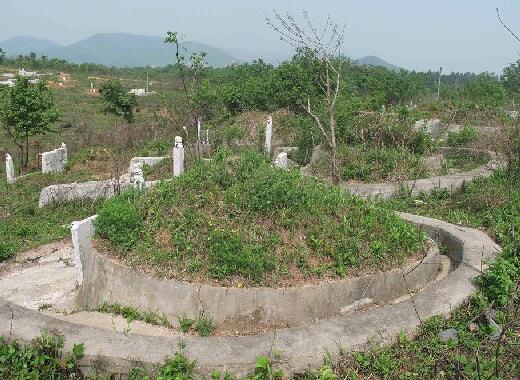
(239, 220)
(369, 164)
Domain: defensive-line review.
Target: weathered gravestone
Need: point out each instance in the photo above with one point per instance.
(9, 169)
(268, 135)
(178, 157)
(55, 160)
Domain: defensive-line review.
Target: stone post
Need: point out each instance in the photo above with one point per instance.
(178, 157)
(65, 153)
(137, 177)
(9, 169)
(281, 161)
(268, 135)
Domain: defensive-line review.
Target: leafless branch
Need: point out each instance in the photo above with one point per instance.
(506, 27)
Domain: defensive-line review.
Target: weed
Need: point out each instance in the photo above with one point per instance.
(186, 324)
(204, 326)
(132, 314)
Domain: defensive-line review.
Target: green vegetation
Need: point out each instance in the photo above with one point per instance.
(23, 225)
(116, 101)
(240, 219)
(466, 135)
(41, 359)
(26, 110)
(202, 325)
(119, 221)
(132, 314)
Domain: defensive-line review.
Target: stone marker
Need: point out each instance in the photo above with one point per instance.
(81, 232)
(178, 157)
(268, 135)
(281, 161)
(137, 177)
(55, 160)
(9, 169)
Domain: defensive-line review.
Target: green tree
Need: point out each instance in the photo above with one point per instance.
(27, 110)
(117, 101)
(511, 79)
(2, 56)
(485, 91)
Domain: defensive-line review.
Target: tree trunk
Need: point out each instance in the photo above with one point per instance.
(21, 158)
(334, 165)
(26, 161)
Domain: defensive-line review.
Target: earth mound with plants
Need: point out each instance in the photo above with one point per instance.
(239, 221)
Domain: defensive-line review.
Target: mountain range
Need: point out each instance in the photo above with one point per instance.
(128, 50)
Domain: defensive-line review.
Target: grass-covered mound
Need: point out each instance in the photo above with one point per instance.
(239, 221)
(372, 164)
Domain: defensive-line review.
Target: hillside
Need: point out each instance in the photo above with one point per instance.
(115, 49)
(371, 60)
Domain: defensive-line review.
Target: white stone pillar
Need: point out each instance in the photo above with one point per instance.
(199, 126)
(281, 161)
(268, 135)
(9, 169)
(82, 232)
(178, 157)
(65, 153)
(137, 177)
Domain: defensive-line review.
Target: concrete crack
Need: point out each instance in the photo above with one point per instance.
(200, 300)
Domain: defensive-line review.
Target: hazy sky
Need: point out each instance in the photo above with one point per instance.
(461, 35)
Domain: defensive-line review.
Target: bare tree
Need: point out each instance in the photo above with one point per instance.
(323, 46)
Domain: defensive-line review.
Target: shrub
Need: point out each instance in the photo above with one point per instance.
(120, 222)
(204, 326)
(230, 255)
(7, 250)
(42, 359)
(466, 135)
(178, 368)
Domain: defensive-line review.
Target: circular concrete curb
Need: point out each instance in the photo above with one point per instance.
(386, 190)
(301, 347)
(246, 310)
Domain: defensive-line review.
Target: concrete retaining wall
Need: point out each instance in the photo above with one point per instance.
(300, 348)
(243, 310)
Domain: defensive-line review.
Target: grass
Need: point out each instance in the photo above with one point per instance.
(238, 220)
(464, 161)
(23, 225)
(372, 164)
(491, 204)
(132, 314)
